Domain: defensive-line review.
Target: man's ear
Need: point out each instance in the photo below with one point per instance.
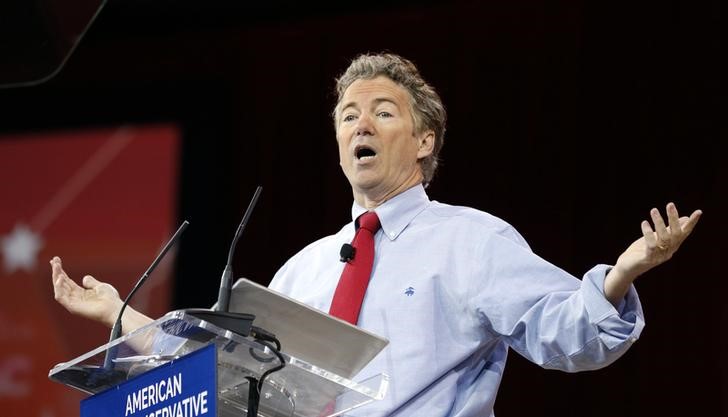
(426, 144)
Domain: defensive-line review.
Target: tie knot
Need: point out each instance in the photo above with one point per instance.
(369, 221)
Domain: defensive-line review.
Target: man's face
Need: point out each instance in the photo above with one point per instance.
(378, 147)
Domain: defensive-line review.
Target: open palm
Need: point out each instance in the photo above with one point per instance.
(95, 300)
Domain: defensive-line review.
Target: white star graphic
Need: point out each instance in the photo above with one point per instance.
(20, 249)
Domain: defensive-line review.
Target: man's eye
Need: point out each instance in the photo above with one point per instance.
(349, 118)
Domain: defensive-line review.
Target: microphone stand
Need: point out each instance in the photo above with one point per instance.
(117, 328)
(220, 316)
(240, 323)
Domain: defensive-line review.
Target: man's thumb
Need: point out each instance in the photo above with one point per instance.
(90, 282)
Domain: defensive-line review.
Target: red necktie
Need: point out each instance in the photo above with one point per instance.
(355, 278)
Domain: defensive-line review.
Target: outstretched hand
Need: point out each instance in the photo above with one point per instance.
(658, 245)
(95, 300)
(655, 247)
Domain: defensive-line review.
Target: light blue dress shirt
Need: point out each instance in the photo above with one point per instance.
(452, 288)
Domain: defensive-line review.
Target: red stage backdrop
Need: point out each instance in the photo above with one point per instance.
(104, 200)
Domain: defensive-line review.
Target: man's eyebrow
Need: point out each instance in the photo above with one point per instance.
(347, 105)
(385, 100)
(377, 101)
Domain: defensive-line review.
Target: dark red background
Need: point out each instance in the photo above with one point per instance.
(107, 221)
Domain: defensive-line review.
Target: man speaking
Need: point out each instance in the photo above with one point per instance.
(451, 287)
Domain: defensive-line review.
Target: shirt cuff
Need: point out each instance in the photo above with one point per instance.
(615, 326)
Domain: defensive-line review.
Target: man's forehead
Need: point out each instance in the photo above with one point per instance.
(376, 89)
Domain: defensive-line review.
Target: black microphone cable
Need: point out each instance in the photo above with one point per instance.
(256, 385)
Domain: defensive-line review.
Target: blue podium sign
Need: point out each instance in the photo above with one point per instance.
(185, 387)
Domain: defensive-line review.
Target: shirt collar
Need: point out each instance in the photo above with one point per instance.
(398, 212)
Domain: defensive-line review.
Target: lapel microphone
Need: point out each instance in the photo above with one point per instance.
(347, 252)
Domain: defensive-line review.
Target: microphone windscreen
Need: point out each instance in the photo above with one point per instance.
(346, 253)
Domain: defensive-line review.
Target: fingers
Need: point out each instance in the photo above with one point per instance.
(66, 289)
(648, 234)
(673, 218)
(57, 271)
(60, 277)
(669, 237)
(62, 285)
(681, 227)
(663, 235)
(689, 224)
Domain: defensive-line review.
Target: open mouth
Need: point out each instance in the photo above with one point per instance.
(364, 152)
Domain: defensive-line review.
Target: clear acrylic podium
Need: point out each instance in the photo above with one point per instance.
(299, 389)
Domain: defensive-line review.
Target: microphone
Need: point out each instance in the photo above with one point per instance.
(223, 296)
(116, 329)
(240, 323)
(347, 252)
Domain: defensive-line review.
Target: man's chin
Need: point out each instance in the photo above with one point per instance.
(368, 187)
(365, 187)
(365, 180)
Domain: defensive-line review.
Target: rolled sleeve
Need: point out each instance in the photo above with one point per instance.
(617, 326)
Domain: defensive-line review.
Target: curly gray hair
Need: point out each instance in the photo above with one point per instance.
(426, 106)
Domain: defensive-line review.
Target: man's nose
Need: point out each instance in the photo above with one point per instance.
(364, 125)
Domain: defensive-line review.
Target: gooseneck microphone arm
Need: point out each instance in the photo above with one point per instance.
(117, 328)
(226, 282)
(241, 323)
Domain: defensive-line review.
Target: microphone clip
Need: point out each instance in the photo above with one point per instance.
(347, 253)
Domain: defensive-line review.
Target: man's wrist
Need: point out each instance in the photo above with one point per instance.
(113, 313)
(616, 285)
